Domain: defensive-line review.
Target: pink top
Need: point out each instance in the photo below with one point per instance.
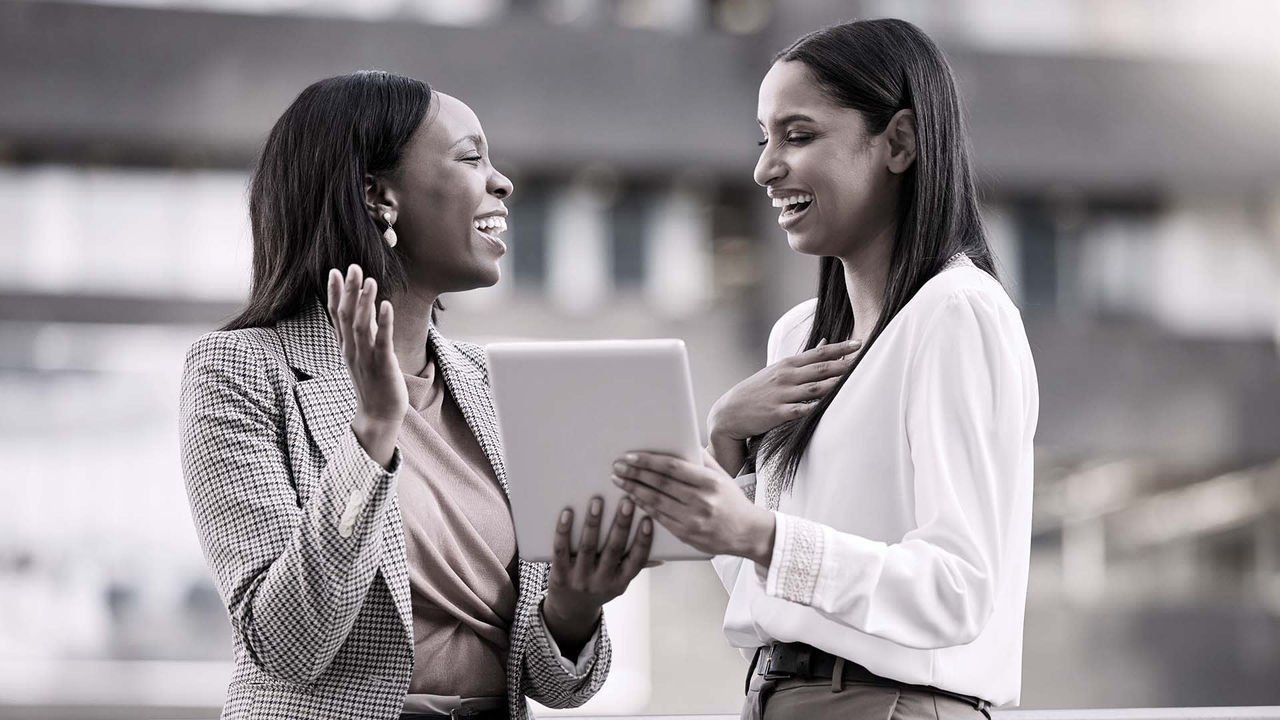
(461, 548)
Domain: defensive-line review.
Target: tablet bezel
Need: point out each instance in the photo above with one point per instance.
(549, 395)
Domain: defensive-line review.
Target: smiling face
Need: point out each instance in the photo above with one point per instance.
(826, 173)
(446, 202)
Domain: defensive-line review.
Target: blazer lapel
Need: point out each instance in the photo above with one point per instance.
(324, 391)
(470, 390)
(327, 400)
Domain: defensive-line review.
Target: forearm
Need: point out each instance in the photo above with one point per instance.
(914, 592)
(296, 612)
(377, 437)
(730, 453)
(571, 627)
(556, 680)
(758, 540)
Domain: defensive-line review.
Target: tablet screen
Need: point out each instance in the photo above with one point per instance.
(567, 410)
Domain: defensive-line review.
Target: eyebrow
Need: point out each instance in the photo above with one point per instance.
(793, 117)
(474, 138)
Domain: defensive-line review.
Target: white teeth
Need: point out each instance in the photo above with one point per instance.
(495, 222)
(792, 200)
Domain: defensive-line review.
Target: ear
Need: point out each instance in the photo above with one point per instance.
(901, 136)
(380, 200)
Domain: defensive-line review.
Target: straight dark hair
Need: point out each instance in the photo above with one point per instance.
(307, 198)
(879, 67)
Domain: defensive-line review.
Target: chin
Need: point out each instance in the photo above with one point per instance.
(475, 279)
(488, 276)
(805, 245)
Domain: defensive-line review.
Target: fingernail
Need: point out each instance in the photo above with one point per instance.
(646, 526)
(626, 507)
(631, 457)
(617, 480)
(596, 506)
(565, 515)
(619, 466)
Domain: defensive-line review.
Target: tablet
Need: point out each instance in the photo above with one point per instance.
(567, 410)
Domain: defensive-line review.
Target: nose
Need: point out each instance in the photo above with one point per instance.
(499, 185)
(769, 168)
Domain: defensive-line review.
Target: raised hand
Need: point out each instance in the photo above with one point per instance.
(581, 583)
(780, 392)
(365, 337)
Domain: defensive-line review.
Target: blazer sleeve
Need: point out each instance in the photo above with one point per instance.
(966, 428)
(554, 681)
(293, 576)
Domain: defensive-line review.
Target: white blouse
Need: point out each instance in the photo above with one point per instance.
(904, 545)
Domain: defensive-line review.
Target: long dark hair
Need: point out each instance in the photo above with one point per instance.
(307, 197)
(879, 67)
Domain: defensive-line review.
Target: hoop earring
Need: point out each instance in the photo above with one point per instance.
(390, 234)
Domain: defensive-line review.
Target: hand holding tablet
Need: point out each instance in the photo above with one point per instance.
(567, 410)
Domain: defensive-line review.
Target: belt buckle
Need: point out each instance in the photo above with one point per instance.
(768, 665)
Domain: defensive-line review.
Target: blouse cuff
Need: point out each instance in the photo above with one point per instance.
(747, 484)
(798, 547)
(586, 657)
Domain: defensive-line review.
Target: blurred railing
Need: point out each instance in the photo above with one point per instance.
(1266, 712)
(1263, 712)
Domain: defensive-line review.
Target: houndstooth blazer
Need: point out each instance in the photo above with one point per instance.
(303, 534)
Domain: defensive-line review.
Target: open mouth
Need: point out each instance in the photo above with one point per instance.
(793, 204)
(491, 227)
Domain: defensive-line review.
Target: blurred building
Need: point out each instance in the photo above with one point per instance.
(1131, 181)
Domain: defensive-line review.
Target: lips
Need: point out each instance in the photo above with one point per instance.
(794, 206)
(490, 227)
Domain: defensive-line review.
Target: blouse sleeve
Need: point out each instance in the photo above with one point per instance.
(966, 429)
(727, 567)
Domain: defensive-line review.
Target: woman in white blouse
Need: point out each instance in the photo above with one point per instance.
(880, 569)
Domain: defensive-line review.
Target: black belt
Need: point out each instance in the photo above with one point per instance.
(460, 715)
(798, 660)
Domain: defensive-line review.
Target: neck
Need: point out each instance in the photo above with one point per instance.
(866, 271)
(413, 316)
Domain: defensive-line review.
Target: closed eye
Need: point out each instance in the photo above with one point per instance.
(793, 139)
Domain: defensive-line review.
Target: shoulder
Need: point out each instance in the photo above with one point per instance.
(241, 358)
(231, 348)
(963, 291)
(791, 330)
(965, 313)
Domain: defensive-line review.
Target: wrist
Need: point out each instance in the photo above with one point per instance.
(571, 626)
(565, 613)
(716, 427)
(761, 538)
(718, 434)
(377, 437)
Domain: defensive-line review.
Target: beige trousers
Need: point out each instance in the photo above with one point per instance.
(791, 699)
